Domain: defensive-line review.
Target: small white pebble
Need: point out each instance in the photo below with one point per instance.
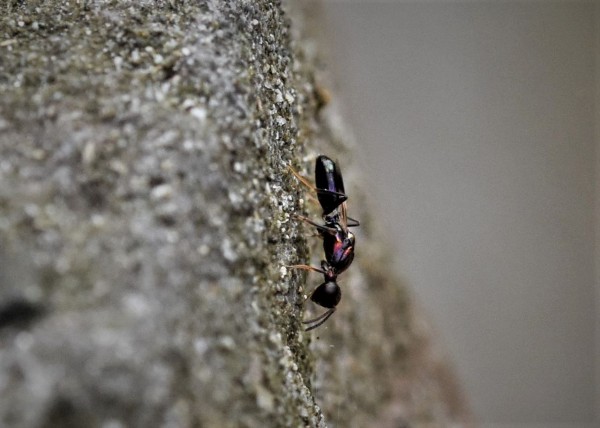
(188, 103)
(32, 210)
(89, 153)
(167, 165)
(118, 61)
(38, 154)
(235, 198)
(112, 423)
(264, 399)
(98, 220)
(24, 341)
(136, 305)
(198, 113)
(227, 342)
(278, 96)
(118, 166)
(200, 346)
(275, 337)
(162, 191)
(227, 250)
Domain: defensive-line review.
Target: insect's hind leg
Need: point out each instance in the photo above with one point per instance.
(318, 320)
(305, 182)
(320, 227)
(352, 222)
(302, 179)
(341, 196)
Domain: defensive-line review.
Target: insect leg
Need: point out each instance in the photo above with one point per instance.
(352, 222)
(319, 320)
(319, 227)
(302, 179)
(306, 267)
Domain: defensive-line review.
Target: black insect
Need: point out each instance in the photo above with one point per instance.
(339, 253)
(338, 241)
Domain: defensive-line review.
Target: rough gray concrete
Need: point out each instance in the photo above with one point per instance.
(146, 221)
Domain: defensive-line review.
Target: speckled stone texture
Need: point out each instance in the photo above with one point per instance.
(146, 222)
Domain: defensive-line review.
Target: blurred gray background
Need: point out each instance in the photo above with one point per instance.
(478, 130)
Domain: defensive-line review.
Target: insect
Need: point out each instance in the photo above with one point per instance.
(338, 241)
(339, 253)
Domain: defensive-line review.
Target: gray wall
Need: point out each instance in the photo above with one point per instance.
(475, 127)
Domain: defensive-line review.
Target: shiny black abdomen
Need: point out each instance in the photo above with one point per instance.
(329, 183)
